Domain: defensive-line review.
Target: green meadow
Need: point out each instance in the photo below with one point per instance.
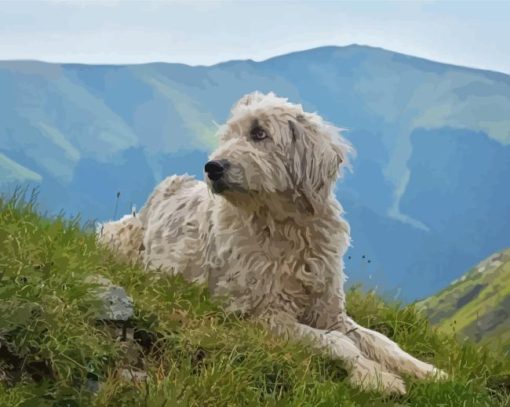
(181, 348)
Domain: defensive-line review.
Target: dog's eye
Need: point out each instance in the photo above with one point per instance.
(258, 133)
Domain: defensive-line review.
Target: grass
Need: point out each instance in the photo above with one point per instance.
(53, 352)
(492, 288)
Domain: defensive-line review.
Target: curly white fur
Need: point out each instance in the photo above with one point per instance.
(269, 234)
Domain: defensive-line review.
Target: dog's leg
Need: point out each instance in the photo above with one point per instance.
(382, 349)
(363, 372)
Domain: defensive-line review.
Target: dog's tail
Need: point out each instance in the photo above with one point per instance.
(124, 237)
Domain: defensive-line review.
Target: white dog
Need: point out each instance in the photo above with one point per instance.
(267, 230)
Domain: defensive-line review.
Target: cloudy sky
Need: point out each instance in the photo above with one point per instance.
(471, 33)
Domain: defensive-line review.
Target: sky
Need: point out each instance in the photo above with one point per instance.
(469, 33)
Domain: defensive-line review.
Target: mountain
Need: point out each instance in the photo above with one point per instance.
(478, 304)
(428, 195)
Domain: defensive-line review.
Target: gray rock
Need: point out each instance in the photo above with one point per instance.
(117, 304)
(93, 386)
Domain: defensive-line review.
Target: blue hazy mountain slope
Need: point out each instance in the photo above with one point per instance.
(428, 194)
(483, 168)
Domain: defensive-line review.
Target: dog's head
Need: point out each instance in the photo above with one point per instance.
(270, 146)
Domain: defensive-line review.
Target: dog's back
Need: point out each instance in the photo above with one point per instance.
(124, 237)
(167, 231)
(173, 218)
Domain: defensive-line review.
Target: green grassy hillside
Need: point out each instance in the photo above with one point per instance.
(53, 351)
(478, 304)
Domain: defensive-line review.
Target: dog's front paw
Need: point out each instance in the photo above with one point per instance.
(438, 374)
(428, 371)
(374, 378)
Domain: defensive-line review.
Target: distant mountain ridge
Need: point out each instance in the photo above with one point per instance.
(428, 195)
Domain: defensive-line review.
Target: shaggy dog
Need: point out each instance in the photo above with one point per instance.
(266, 229)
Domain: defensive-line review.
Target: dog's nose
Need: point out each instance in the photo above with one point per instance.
(216, 169)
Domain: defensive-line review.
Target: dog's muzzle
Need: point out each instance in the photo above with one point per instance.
(216, 169)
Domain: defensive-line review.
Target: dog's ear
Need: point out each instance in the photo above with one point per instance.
(299, 154)
(340, 148)
(317, 152)
(294, 131)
